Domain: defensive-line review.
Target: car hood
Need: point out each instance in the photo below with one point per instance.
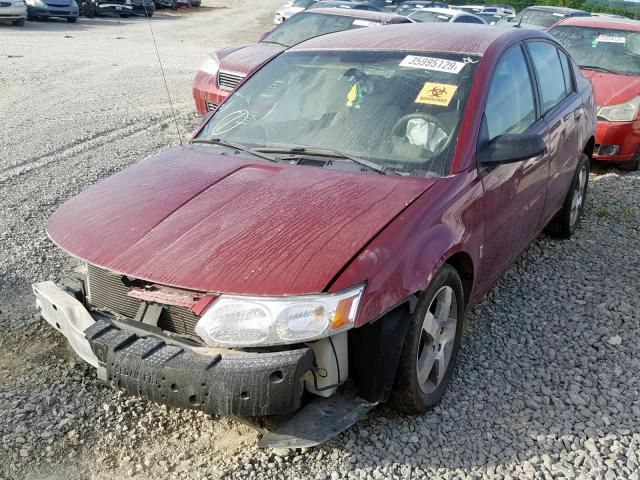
(612, 89)
(247, 59)
(224, 223)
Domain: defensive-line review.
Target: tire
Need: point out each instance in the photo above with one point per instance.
(433, 335)
(90, 11)
(72, 19)
(31, 18)
(568, 218)
(174, 5)
(20, 22)
(632, 165)
(124, 15)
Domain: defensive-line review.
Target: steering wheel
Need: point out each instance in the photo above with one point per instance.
(238, 118)
(399, 129)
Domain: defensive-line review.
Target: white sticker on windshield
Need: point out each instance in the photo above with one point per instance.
(610, 39)
(364, 23)
(558, 14)
(431, 63)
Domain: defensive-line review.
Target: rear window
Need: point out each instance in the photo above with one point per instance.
(539, 18)
(306, 25)
(601, 49)
(422, 16)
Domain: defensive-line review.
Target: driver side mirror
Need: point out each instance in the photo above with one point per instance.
(511, 148)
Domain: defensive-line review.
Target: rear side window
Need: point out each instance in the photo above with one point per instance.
(511, 104)
(567, 72)
(546, 62)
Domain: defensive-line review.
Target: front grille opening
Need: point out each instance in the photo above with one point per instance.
(107, 292)
(229, 80)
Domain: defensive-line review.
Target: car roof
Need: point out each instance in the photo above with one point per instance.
(605, 22)
(566, 10)
(356, 13)
(429, 37)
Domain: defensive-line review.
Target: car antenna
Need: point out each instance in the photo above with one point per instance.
(164, 78)
(519, 25)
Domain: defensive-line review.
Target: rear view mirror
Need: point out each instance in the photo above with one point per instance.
(513, 147)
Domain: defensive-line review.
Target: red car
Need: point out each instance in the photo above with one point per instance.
(221, 73)
(608, 52)
(328, 227)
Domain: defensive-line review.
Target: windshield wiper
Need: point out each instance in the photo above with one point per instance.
(599, 69)
(273, 42)
(376, 167)
(235, 146)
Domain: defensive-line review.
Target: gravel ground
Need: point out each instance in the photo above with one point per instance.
(548, 378)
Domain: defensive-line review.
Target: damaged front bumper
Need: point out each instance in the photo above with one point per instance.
(216, 381)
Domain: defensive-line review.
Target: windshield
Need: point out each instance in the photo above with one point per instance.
(306, 25)
(423, 16)
(540, 18)
(397, 109)
(617, 51)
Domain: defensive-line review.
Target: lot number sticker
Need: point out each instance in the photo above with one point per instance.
(436, 94)
(610, 39)
(430, 63)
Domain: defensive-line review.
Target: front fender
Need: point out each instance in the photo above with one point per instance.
(403, 258)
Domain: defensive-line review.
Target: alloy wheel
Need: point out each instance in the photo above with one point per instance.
(578, 196)
(437, 339)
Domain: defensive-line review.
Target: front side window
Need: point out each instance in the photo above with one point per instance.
(546, 62)
(306, 25)
(602, 49)
(401, 110)
(511, 103)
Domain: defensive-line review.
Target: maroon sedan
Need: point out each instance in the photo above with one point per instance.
(318, 242)
(221, 73)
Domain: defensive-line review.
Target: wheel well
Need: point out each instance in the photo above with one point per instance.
(588, 149)
(462, 262)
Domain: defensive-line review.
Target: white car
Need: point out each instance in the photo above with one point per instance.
(444, 15)
(14, 11)
(499, 11)
(287, 10)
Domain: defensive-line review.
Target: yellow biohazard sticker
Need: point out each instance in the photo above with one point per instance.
(437, 94)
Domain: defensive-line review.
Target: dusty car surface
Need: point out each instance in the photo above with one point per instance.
(14, 11)
(608, 52)
(221, 73)
(320, 239)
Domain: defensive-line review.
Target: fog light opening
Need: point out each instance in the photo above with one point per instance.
(277, 376)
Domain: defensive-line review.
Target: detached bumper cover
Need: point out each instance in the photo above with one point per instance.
(244, 384)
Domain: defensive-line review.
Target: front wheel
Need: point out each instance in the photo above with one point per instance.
(568, 218)
(431, 348)
(124, 15)
(72, 19)
(19, 22)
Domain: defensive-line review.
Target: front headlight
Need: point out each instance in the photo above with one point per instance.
(36, 3)
(623, 112)
(239, 321)
(211, 66)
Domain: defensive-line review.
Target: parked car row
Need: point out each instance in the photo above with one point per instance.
(18, 11)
